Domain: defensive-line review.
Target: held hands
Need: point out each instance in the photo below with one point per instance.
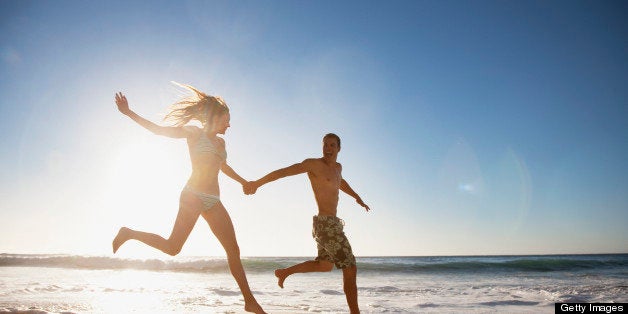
(123, 104)
(250, 187)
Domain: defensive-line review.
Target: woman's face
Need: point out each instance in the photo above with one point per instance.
(222, 123)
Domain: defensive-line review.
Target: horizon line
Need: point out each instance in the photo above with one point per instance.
(303, 256)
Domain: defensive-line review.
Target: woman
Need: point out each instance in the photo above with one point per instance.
(201, 195)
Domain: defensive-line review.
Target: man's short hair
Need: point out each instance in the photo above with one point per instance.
(332, 135)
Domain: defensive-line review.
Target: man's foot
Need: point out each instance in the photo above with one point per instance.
(253, 307)
(281, 276)
(122, 236)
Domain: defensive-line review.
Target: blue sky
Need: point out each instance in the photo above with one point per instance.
(470, 127)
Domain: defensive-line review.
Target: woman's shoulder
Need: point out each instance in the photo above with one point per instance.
(191, 130)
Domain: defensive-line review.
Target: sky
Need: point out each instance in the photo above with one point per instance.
(468, 127)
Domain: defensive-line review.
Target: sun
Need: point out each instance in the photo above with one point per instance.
(146, 174)
(147, 163)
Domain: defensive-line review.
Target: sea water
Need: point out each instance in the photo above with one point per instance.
(480, 284)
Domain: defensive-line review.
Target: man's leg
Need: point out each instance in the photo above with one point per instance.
(305, 267)
(350, 287)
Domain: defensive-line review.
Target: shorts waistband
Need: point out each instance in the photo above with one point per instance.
(328, 218)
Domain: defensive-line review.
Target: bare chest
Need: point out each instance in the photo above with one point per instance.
(328, 176)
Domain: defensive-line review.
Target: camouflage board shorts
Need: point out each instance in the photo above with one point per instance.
(331, 241)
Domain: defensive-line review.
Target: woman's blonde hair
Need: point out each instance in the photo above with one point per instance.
(198, 106)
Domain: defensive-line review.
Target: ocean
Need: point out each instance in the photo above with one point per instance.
(473, 284)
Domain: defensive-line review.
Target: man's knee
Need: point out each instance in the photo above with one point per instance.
(325, 266)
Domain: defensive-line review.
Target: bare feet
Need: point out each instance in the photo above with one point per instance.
(122, 236)
(281, 276)
(253, 307)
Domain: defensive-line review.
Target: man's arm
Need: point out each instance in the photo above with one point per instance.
(295, 169)
(344, 186)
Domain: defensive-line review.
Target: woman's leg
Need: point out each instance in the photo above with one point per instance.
(186, 219)
(222, 227)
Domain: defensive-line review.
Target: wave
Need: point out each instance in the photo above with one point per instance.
(414, 265)
(503, 264)
(509, 302)
(99, 262)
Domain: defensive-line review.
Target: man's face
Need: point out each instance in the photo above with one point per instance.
(330, 147)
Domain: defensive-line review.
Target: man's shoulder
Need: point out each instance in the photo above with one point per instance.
(312, 164)
(311, 160)
(316, 163)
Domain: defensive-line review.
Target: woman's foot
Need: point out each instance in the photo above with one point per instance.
(123, 236)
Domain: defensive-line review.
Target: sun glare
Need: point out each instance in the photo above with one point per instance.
(146, 175)
(142, 164)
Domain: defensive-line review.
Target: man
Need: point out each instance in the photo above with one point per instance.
(333, 247)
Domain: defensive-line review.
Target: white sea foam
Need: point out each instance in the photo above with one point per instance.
(522, 285)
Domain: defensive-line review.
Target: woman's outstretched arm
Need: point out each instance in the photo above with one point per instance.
(226, 169)
(123, 107)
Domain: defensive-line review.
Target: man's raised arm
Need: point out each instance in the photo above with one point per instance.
(251, 187)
